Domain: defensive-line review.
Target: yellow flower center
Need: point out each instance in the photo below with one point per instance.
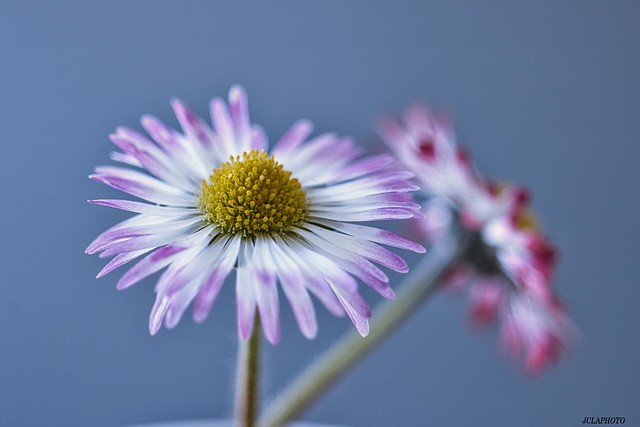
(252, 196)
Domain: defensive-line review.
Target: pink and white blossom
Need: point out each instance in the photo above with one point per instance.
(509, 264)
(321, 254)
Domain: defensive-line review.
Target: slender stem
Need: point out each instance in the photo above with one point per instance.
(310, 384)
(248, 378)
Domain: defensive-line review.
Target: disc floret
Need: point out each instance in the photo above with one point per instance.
(251, 195)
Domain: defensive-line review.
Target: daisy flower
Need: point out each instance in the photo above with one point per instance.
(215, 201)
(508, 265)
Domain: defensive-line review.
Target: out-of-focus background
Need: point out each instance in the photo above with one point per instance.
(543, 93)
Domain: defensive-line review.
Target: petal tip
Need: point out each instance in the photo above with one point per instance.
(363, 329)
(199, 317)
(310, 334)
(273, 339)
(148, 120)
(237, 91)
(122, 285)
(307, 123)
(154, 327)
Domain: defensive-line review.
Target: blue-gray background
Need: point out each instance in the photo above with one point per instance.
(543, 93)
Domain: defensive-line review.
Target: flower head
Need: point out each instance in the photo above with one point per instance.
(218, 202)
(509, 264)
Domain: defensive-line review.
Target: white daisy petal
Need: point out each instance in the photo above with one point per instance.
(140, 219)
(363, 248)
(175, 145)
(128, 159)
(183, 269)
(381, 214)
(376, 235)
(375, 181)
(363, 167)
(307, 153)
(365, 191)
(181, 300)
(120, 260)
(266, 292)
(359, 267)
(313, 278)
(201, 263)
(349, 257)
(110, 237)
(144, 242)
(145, 208)
(363, 207)
(293, 138)
(213, 282)
(158, 312)
(356, 308)
(223, 127)
(150, 157)
(239, 112)
(245, 301)
(141, 185)
(202, 152)
(195, 129)
(259, 139)
(327, 163)
(156, 261)
(293, 286)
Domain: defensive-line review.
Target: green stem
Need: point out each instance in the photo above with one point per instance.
(417, 287)
(248, 378)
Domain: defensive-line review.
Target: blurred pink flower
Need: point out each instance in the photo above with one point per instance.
(509, 264)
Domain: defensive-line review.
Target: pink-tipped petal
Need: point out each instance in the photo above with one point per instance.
(379, 236)
(336, 253)
(144, 208)
(192, 125)
(111, 237)
(259, 140)
(125, 158)
(157, 313)
(383, 214)
(120, 260)
(356, 307)
(213, 282)
(290, 141)
(239, 113)
(156, 261)
(142, 186)
(364, 167)
(245, 297)
(181, 301)
(266, 292)
(143, 242)
(177, 147)
(310, 265)
(222, 125)
(292, 284)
